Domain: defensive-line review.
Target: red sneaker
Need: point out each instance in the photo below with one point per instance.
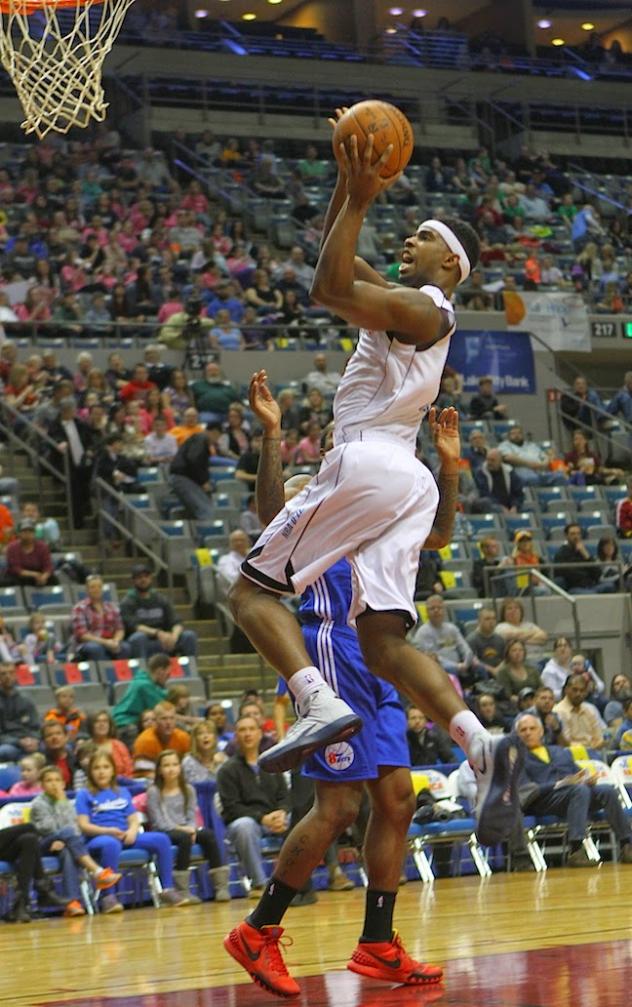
(388, 960)
(259, 952)
(107, 878)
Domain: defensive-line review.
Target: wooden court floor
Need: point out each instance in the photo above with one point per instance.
(562, 939)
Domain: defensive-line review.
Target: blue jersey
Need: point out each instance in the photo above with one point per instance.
(334, 648)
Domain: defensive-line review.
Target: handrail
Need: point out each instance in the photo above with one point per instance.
(570, 598)
(106, 517)
(38, 458)
(554, 399)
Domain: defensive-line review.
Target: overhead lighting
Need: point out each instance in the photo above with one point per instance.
(396, 11)
(249, 17)
(588, 26)
(275, 1)
(558, 41)
(419, 12)
(544, 23)
(391, 31)
(200, 13)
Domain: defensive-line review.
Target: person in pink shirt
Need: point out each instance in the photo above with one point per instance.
(308, 452)
(29, 783)
(195, 199)
(172, 306)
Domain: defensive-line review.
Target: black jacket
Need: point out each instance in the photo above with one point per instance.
(246, 794)
(586, 573)
(57, 433)
(432, 745)
(18, 718)
(192, 459)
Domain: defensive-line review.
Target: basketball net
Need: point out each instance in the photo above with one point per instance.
(53, 51)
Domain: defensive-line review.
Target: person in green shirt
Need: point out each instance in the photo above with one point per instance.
(567, 209)
(213, 394)
(145, 691)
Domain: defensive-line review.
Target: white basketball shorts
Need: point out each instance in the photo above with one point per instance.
(371, 501)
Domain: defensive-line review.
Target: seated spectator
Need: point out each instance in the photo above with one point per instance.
(449, 393)
(474, 297)
(225, 334)
(172, 809)
(102, 734)
(320, 378)
(525, 698)
(150, 623)
(189, 426)
(144, 692)
(29, 783)
(55, 819)
(557, 669)
(302, 269)
(109, 821)
(57, 751)
(216, 714)
(160, 446)
(249, 519)
(476, 451)
(486, 644)
(204, 759)
(622, 401)
(214, 395)
(487, 713)
(138, 386)
(583, 576)
(623, 517)
(581, 722)
(620, 691)
(595, 686)
(577, 410)
(427, 743)
(19, 722)
(235, 437)
(530, 460)
(514, 673)
(10, 651)
(623, 737)
(189, 473)
(542, 708)
(262, 295)
(179, 395)
(444, 641)
(485, 405)
(583, 474)
(524, 554)
(66, 712)
(514, 626)
(561, 788)
(97, 627)
(428, 579)
(252, 706)
(46, 529)
(253, 804)
(164, 734)
(499, 486)
(249, 461)
(28, 559)
(290, 412)
(180, 698)
(309, 447)
(20, 846)
(7, 526)
(316, 410)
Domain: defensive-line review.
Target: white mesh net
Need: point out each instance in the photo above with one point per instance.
(53, 50)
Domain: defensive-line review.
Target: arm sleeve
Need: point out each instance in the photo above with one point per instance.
(128, 615)
(155, 811)
(230, 794)
(41, 817)
(191, 818)
(83, 804)
(466, 652)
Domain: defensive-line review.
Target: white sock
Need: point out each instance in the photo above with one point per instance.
(304, 682)
(464, 727)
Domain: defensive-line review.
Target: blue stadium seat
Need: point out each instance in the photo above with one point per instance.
(482, 523)
(12, 600)
(551, 497)
(551, 521)
(42, 597)
(515, 522)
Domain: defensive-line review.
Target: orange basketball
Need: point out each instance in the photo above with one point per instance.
(387, 124)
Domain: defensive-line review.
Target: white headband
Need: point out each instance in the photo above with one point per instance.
(452, 242)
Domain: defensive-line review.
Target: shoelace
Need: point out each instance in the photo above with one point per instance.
(273, 945)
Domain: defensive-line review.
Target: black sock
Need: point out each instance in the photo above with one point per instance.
(378, 916)
(272, 904)
(575, 845)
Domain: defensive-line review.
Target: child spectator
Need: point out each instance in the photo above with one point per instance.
(180, 697)
(40, 644)
(9, 649)
(29, 783)
(55, 819)
(172, 808)
(106, 816)
(202, 762)
(66, 713)
(83, 753)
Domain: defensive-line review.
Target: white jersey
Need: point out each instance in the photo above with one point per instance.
(389, 386)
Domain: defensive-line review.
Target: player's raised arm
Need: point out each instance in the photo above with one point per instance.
(269, 486)
(433, 255)
(445, 434)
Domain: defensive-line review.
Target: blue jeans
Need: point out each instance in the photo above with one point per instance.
(143, 646)
(75, 847)
(97, 652)
(10, 752)
(577, 803)
(198, 504)
(245, 835)
(603, 588)
(107, 851)
(531, 477)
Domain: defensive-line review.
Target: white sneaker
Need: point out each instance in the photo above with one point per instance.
(497, 762)
(326, 720)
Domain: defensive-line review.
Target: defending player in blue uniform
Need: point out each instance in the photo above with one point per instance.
(376, 757)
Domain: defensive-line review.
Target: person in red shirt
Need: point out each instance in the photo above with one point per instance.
(6, 525)
(624, 513)
(29, 559)
(55, 742)
(138, 387)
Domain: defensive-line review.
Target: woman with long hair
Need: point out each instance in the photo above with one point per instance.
(172, 809)
(201, 764)
(558, 667)
(512, 625)
(514, 674)
(102, 731)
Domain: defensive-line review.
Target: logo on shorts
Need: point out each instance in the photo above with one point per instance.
(290, 524)
(339, 756)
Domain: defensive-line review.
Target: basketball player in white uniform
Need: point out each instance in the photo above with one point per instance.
(372, 501)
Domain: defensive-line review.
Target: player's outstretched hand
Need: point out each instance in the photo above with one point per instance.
(333, 120)
(263, 404)
(364, 181)
(445, 434)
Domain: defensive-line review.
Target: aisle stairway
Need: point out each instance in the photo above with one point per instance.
(228, 674)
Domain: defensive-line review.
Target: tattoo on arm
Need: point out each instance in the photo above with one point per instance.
(443, 526)
(269, 486)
